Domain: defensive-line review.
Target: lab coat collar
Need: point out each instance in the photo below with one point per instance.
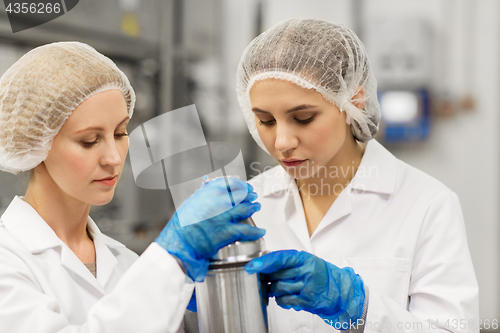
(377, 170)
(294, 216)
(27, 226)
(376, 173)
(105, 259)
(276, 181)
(24, 222)
(98, 235)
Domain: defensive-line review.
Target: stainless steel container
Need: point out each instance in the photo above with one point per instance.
(228, 300)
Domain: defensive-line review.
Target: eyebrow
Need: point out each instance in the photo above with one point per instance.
(97, 128)
(297, 108)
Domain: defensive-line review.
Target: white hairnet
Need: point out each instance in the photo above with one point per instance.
(39, 92)
(313, 54)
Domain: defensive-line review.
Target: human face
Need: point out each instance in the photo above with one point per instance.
(87, 156)
(299, 128)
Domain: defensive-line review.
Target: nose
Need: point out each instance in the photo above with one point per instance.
(286, 138)
(111, 154)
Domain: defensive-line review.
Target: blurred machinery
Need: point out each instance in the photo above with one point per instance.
(182, 52)
(401, 54)
(175, 53)
(138, 36)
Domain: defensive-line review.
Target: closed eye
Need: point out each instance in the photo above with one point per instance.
(267, 123)
(304, 121)
(87, 144)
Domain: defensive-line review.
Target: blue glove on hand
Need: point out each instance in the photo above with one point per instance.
(194, 244)
(302, 281)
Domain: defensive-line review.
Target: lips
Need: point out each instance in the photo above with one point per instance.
(108, 181)
(292, 162)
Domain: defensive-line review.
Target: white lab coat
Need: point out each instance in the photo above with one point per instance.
(45, 288)
(401, 230)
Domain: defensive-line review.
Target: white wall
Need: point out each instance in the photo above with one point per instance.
(336, 11)
(462, 150)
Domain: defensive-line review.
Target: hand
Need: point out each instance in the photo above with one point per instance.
(213, 199)
(194, 244)
(302, 281)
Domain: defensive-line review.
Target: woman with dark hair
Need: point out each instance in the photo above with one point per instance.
(361, 239)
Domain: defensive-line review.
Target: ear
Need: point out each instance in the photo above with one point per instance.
(358, 100)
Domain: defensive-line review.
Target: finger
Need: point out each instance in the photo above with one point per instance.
(295, 302)
(251, 196)
(236, 185)
(224, 185)
(230, 233)
(286, 274)
(246, 232)
(242, 195)
(240, 190)
(240, 212)
(285, 287)
(237, 213)
(275, 261)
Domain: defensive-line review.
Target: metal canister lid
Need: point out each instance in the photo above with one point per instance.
(238, 253)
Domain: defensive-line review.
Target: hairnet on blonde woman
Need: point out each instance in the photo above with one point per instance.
(39, 92)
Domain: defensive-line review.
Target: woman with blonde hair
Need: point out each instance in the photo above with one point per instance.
(64, 109)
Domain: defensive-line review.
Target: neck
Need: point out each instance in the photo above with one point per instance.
(320, 191)
(329, 181)
(65, 215)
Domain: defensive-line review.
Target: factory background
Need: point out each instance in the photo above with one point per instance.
(437, 63)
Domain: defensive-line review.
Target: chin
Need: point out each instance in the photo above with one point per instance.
(297, 175)
(302, 172)
(105, 199)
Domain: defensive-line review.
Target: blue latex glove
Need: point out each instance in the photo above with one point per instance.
(302, 281)
(194, 244)
(192, 303)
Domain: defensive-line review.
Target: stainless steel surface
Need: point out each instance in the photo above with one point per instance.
(228, 300)
(238, 252)
(248, 221)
